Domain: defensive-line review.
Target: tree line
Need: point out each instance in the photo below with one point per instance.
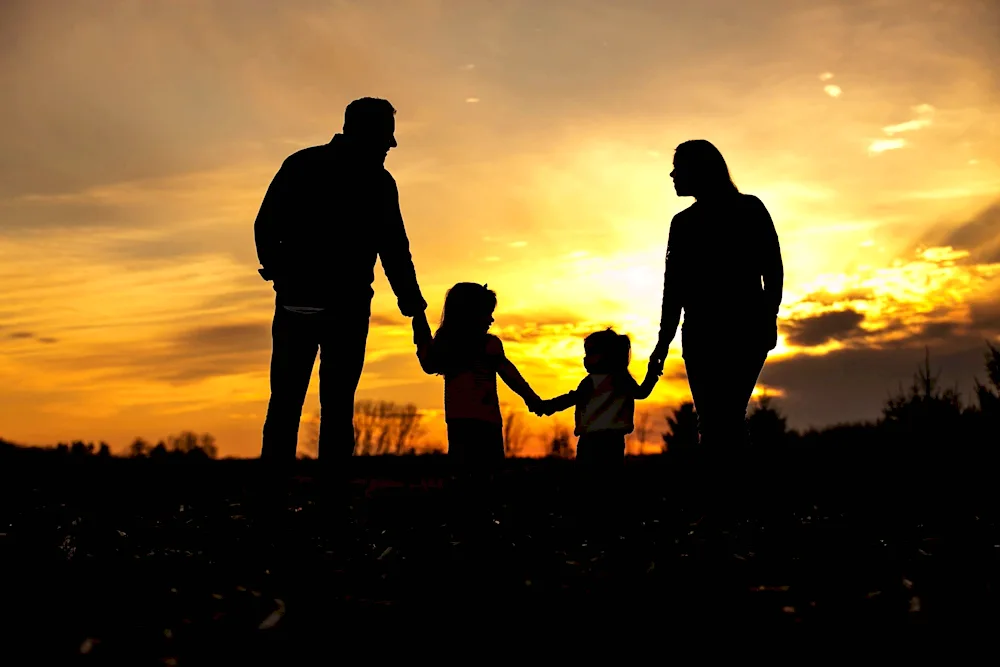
(922, 415)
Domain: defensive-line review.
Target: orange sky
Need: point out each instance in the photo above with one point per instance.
(535, 141)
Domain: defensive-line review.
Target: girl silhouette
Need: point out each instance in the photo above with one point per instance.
(470, 359)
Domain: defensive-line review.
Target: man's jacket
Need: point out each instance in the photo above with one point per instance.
(329, 212)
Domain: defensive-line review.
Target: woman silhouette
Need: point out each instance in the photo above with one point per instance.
(720, 251)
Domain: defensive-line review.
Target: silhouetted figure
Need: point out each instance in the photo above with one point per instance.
(330, 211)
(470, 359)
(605, 408)
(724, 270)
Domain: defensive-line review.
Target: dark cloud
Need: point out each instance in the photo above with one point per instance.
(192, 355)
(249, 337)
(937, 330)
(246, 299)
(853, 384)
(820, 329)
(986, 317)
(47, 340)
(980, 235)
(828, 299)
(387, 320)
(21, 335)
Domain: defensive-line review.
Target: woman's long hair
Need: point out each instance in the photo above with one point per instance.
(708, 170)
(461, 333)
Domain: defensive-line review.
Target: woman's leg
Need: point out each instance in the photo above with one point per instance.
(721, 385)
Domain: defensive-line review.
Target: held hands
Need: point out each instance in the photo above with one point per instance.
(534, 404)
(659, 354)
(421, 329)
(541, 408)
(655, 366)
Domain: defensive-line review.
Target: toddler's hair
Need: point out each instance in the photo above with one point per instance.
(615, 348)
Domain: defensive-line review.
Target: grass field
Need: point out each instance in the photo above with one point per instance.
(125, 560)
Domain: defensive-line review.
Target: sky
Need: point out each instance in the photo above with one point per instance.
(535, 145)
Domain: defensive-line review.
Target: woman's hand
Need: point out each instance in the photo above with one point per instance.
(659, 354)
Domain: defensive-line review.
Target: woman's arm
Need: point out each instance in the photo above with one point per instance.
(772, 269)
(670, 313)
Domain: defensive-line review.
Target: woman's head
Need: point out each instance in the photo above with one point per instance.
(700, 170)
(468, 308)
(606, 352)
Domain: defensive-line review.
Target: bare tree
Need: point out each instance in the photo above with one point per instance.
(365, 415)
(383, 427)
(139, 448)
(207, 444)
(513, 433)
(408, 429)
(309, 435)
(641, 433)
(185, 443)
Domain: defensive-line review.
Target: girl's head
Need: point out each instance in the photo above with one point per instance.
(606, 352)
(465, 320)
(701, 171)
(468, 308)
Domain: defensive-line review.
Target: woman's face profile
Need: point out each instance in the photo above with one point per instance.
(681, 176)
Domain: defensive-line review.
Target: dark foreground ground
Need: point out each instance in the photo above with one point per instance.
(138, 563)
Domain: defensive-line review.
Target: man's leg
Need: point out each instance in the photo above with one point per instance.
(292, 356)
(342, 359)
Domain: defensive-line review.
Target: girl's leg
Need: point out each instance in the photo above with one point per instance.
(473, 447)
(457, 483)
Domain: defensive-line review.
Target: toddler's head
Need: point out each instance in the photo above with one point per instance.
(606, 352)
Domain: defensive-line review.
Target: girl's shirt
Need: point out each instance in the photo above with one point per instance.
(604, 402)
(470, 391)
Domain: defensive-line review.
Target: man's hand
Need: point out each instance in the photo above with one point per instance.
(656, 366)
(421, 329)
(542, 408)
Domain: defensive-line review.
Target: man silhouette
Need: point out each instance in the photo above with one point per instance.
(329, 212)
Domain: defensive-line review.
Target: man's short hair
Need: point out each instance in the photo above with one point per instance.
(367, 114)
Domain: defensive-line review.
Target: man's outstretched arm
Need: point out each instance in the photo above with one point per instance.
(394, 249)
(266, 228)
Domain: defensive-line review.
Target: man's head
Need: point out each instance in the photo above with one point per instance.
(371, 123)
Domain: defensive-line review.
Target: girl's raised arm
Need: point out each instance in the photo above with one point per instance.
(510, 375)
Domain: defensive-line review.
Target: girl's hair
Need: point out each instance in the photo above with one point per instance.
(615, 348)
(461, 333)
(707, 167)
